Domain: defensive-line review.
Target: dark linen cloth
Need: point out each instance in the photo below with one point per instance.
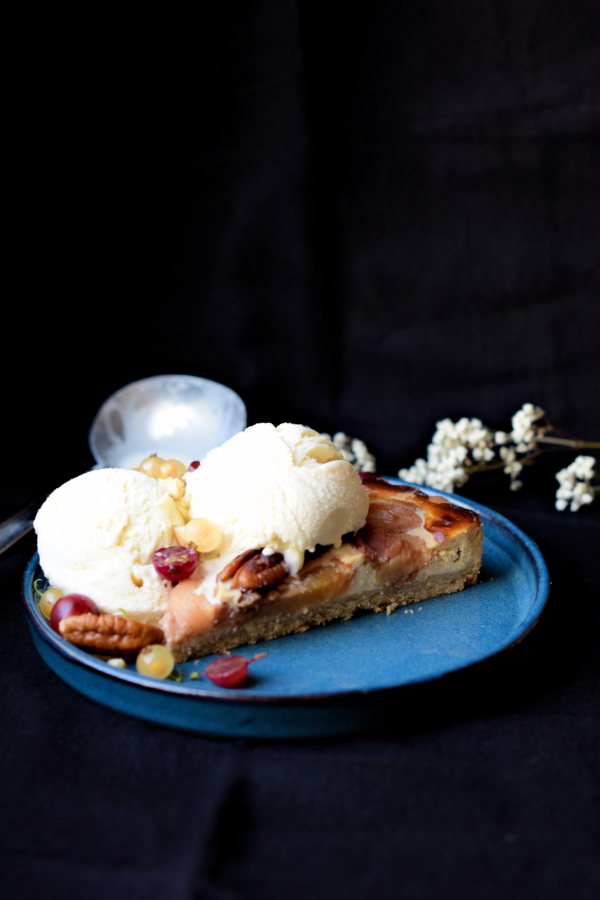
(360, 216)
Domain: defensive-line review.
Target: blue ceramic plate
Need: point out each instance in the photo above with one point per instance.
(331, 680)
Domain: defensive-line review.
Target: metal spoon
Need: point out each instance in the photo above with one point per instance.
(175, 416)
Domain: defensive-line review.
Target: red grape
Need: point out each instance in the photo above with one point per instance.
(175, 563)
(71, 605)
(193, 466)
(229, 671)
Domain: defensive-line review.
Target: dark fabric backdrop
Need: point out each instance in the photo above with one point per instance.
(360, 216)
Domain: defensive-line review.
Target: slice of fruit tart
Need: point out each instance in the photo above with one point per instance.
(412, 547)
(272, 533)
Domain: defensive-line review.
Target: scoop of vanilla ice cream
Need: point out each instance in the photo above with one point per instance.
(96, 536)
(286, 489)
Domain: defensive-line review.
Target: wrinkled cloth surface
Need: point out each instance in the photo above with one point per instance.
(361, 217)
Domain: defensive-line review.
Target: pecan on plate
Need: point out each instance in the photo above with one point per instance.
(107, 634)
(261, 571)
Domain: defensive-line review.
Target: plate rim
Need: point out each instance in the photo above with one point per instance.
(79, 657)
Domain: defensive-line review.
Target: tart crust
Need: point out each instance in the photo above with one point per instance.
(414, 547)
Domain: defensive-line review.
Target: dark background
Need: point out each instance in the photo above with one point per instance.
(360, 216)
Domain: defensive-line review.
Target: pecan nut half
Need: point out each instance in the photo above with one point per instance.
(261, 571)
(107, 634)
(232, 567)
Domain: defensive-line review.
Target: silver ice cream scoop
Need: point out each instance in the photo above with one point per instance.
(176, 416)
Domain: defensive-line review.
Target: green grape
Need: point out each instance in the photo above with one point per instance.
(47, 601)
(156, 661)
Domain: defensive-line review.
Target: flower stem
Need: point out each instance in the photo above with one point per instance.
(487, 467)
(566, 442)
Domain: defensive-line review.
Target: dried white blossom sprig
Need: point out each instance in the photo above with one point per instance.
(512, 467)
(454, 449)
(576, 488)
(524, 432)
(354, 451)
(460, 449)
